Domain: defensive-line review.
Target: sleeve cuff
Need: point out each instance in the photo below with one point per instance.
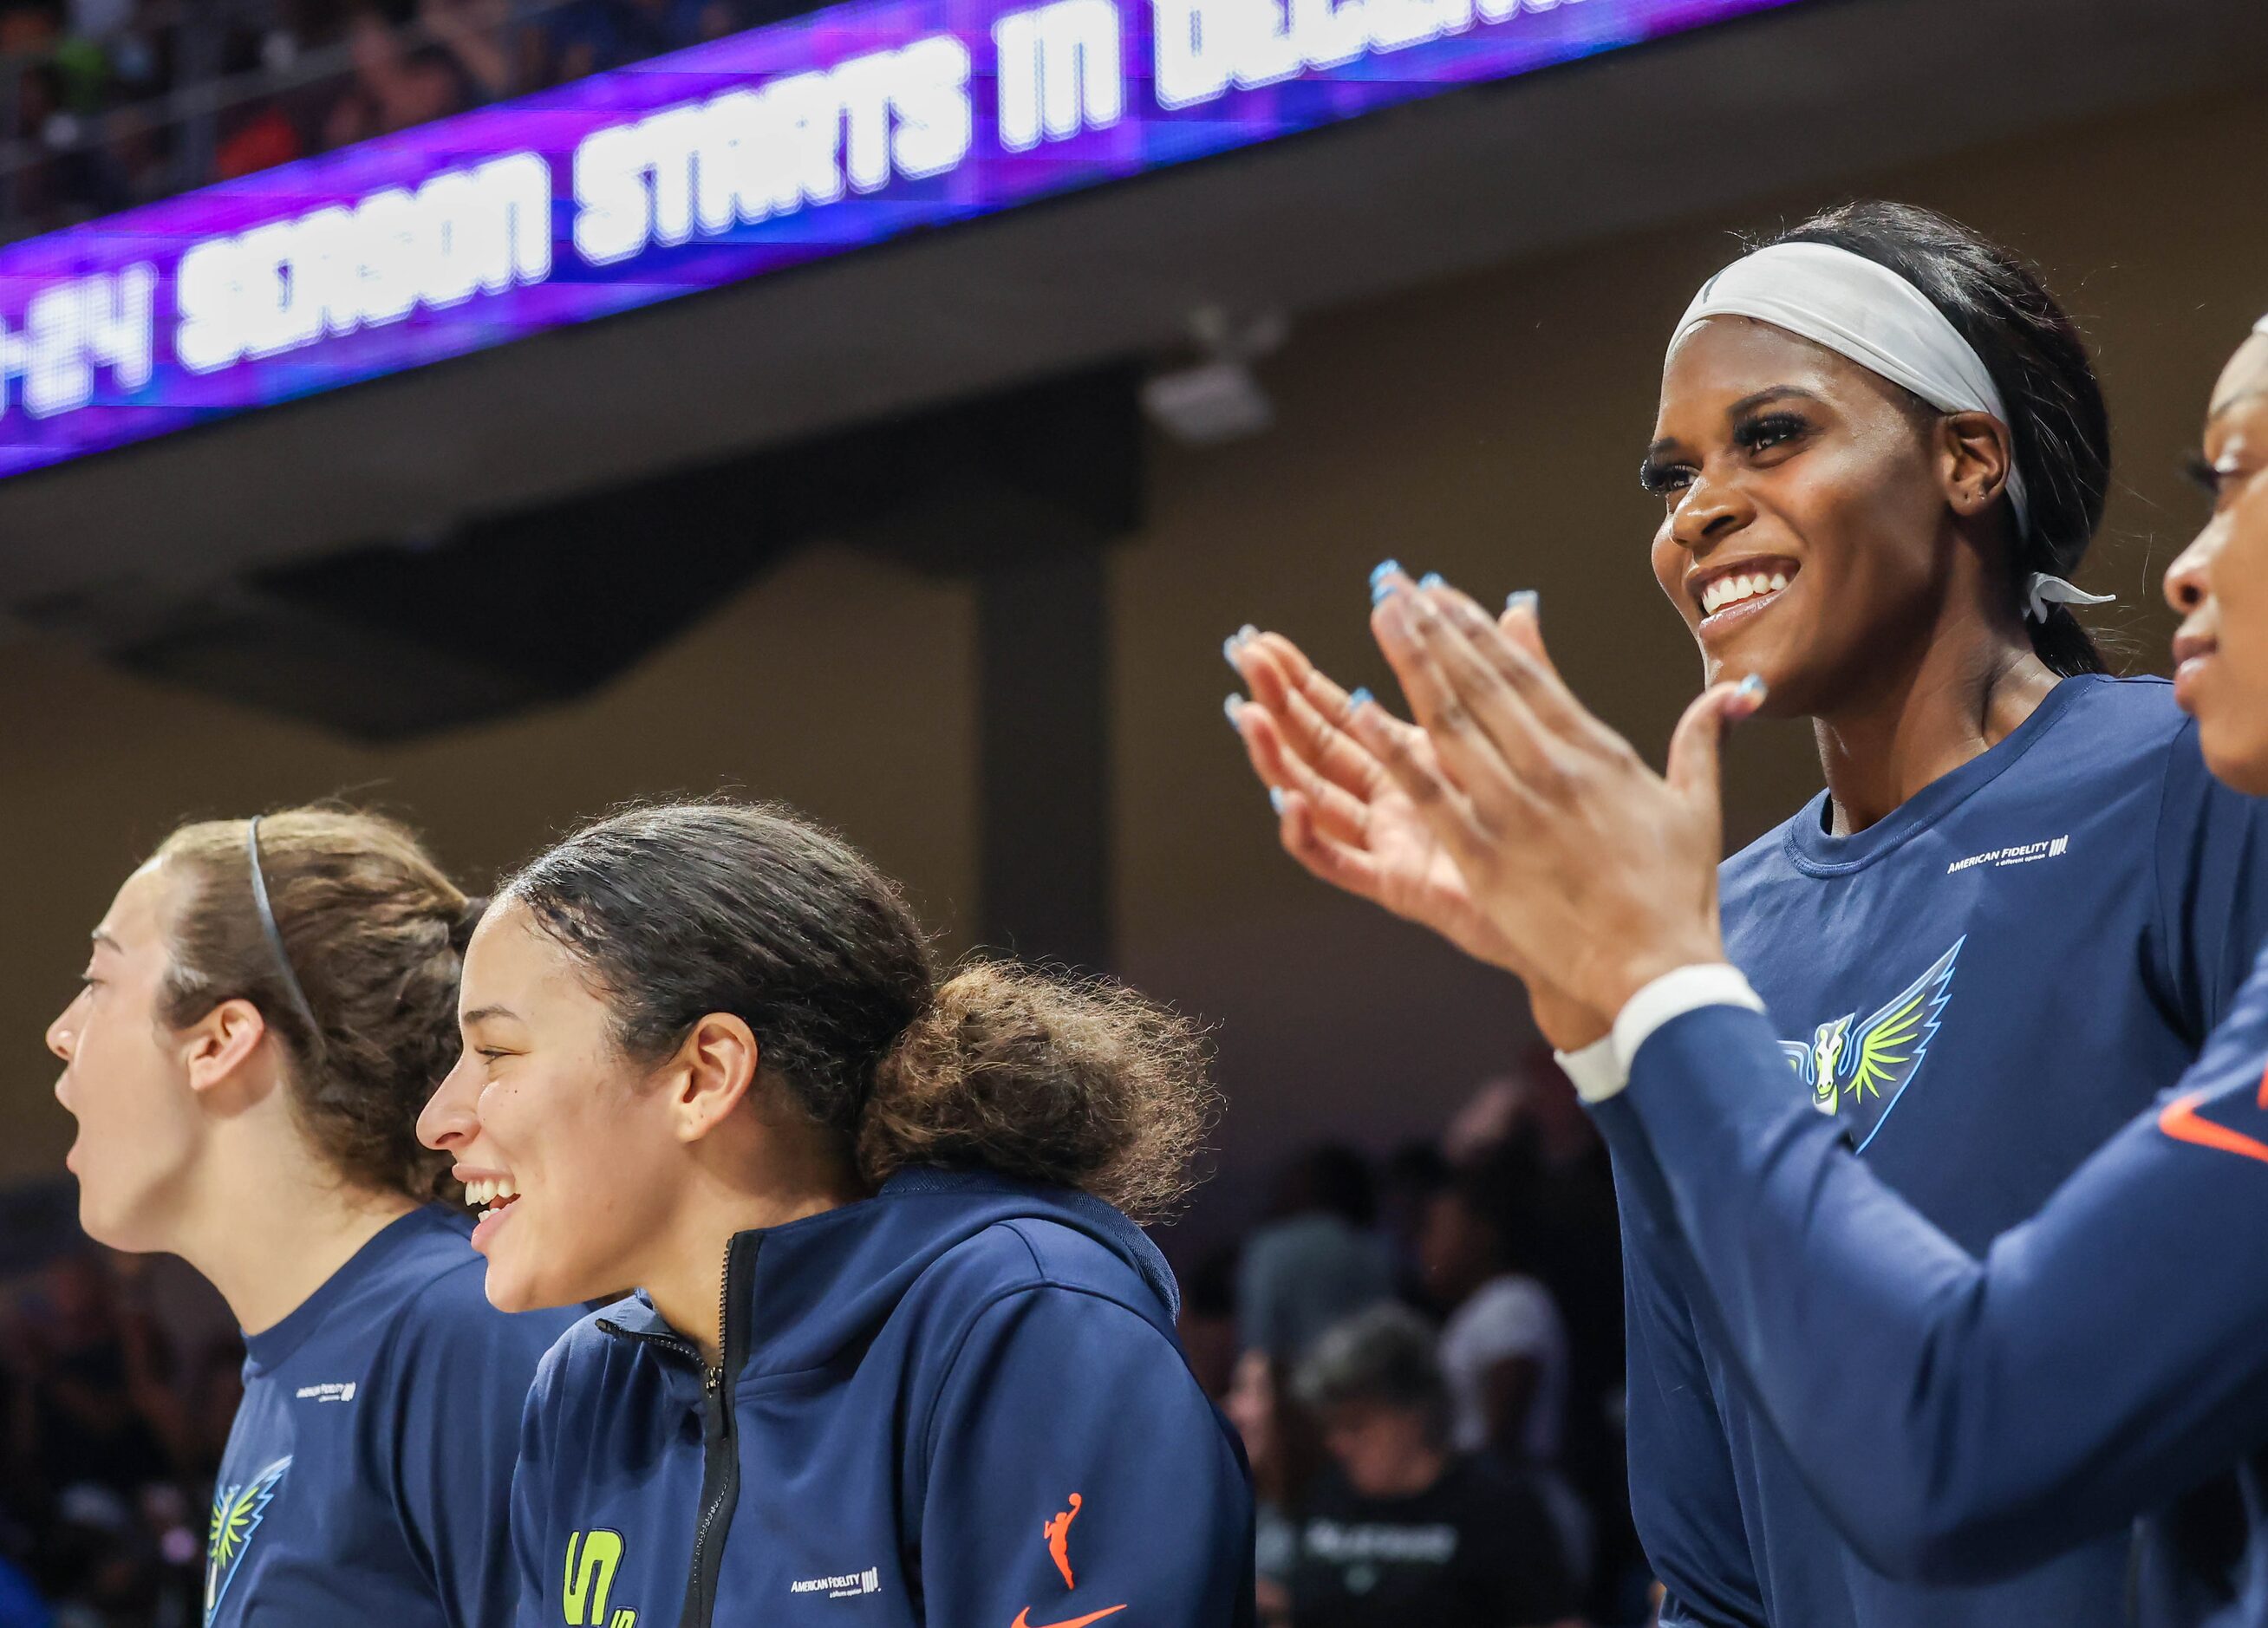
(1673, 995)
(1596, 1071)
(1602, 1069)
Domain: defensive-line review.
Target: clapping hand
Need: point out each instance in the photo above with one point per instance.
(1346, 819)
(1590, 869)
(1504, 820)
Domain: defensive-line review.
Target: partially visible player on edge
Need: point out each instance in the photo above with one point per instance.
(266, 1005)
(899, 1356)
(1984, 1409)
(1880, 448)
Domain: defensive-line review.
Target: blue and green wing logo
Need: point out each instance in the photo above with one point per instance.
(1849, 1063)
(1891, 1044)
(238, 1511)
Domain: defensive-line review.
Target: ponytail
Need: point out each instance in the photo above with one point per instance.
(1080, 1084)
(2064, 642)
(681, 910)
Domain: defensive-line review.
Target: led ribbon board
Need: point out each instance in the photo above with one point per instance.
(768, 148)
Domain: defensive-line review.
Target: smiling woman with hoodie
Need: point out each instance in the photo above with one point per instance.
(897, 1354)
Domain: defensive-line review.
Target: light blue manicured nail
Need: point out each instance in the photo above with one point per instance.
(1277, 799)
(1750, 689)
(1525, 599)
(1432, 579)
(1237, 641)
(1231, 708)
(1381, 579)
(1360, 699)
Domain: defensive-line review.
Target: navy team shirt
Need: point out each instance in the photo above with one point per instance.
(1975, 994)
(368, 1476)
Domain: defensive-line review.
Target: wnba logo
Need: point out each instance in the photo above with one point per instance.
(592, 1559)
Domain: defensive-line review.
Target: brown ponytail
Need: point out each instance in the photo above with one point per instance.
(375, 935)
(1083, 1083)
(682, 910)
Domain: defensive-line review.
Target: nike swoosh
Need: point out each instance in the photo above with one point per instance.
(2180, 1119)
(1023, 1618)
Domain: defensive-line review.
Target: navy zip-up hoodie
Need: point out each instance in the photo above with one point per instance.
(959, 1403)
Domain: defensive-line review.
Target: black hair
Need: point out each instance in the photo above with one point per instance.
(680, 910)
(2058, 424)
(1385, 1354)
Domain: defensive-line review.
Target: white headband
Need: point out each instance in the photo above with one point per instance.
(1868, 314)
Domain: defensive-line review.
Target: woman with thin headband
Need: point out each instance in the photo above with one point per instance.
(266, 1005)
(1880, 452)
(1990, 1407)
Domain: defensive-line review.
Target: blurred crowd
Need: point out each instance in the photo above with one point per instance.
(110, 103)
(1424, 1356)
(111, 1424)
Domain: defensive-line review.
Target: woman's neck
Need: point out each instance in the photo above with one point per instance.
(685, 1283)
(751, 1173)
(272, 1232)
(1960, 697)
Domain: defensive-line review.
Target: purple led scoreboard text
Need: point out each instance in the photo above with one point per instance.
(773, 147)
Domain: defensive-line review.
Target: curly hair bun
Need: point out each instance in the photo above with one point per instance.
(1082, 1083)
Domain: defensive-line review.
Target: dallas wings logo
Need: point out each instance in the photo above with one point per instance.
(1848, 1063)
(238, 1511)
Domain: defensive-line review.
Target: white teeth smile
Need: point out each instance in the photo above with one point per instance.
(488, 1194)
(1734, 589)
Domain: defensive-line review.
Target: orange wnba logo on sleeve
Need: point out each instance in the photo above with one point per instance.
(1056, 1530)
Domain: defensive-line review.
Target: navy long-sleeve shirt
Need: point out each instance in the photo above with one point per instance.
(2099, 1360)
(368, 1474)
(1975, 993)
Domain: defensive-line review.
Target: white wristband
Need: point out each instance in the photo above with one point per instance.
(1602, 1069)
(1596, 1071)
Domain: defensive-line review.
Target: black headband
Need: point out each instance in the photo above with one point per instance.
(276, 937)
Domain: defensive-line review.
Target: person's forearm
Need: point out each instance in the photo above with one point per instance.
(1958, 1418)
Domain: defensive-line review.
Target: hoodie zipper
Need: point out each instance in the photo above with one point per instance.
(720, 1457)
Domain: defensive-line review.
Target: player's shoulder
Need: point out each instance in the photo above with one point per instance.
(596, 1354)
(2101, 729)
(1021, 1253)
(1026, 1272)
(2108, 716)
(442, 1310)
